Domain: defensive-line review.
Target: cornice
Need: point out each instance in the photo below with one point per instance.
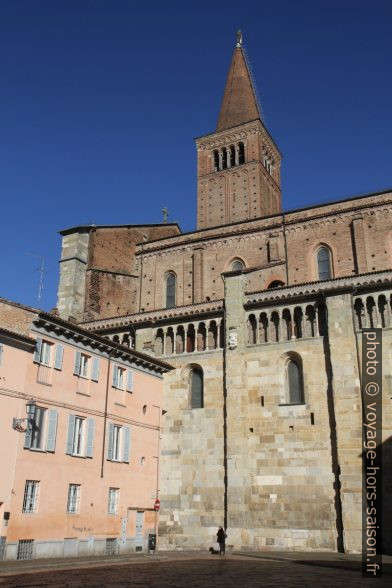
(312, 289)
(152, 316)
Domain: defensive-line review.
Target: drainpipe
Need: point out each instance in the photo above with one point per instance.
(105, 417)
(225, 459)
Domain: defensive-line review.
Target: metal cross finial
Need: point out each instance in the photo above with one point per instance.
(239, 38)
(165, 213)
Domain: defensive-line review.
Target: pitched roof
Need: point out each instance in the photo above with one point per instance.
(239, 104)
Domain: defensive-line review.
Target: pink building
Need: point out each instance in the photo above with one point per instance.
(79, 452)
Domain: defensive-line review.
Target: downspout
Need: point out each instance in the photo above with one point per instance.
(285, 248)
(225, 468)
(105, 416)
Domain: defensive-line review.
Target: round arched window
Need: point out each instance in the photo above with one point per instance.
(237, 266)
(324, 263)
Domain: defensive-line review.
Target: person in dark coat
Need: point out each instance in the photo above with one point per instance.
(221, 538)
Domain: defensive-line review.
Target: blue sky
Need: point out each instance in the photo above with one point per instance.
(101, 101)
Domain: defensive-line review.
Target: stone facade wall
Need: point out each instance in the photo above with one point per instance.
(73, 262)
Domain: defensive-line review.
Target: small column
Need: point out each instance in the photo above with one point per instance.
(207, 324)
(220, 160)
(185, 337)
(196, 327)
(293, 337)
(316, 322)
(237, 155)
(365, 317)
(164, 341)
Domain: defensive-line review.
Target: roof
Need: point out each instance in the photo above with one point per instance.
(43, 316)
(239, 103)
(18, 336)
(87, 228)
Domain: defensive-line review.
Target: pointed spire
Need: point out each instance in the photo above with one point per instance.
(239, 104)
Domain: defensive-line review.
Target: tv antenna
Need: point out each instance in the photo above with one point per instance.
(41, 270)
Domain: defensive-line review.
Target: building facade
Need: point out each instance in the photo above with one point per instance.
(260, 312)
(80, 435)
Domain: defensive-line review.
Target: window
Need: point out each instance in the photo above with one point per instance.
(37, 428)
(30, 496)
(324, 263)
(81, 364)
(170, 290)
(116, 443)
(43, 351)
(41, 425)
(121, 378)
(275, 284)
(111, 546)
(113, 500)
(25, 549)
(77, 446)
(196, 385)
(119, 442)
(241, 153)
(295, 382)
(73, 498)
(80, 436)
(237, 266)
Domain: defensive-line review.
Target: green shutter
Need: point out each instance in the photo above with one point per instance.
(115, 378)
(129, 380)
(126, 444)
(95, 369)
(52, 430)
(37, 352)
(70, 435)
(58, 359)
(110, 441)
(78, 356)
(90, 437)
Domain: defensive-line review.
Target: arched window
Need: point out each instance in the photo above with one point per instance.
(241, 153)
(224, 158)
(276, 284)
(170, 290)
(216, 160)
(196, 387)
(295, 382)
(237, 266)
(324, 263)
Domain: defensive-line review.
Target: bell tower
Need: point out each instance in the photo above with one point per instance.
(238, 166)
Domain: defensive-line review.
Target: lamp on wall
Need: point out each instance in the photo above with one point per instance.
(17, 424)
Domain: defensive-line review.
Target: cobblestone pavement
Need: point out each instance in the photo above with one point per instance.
(200, 571)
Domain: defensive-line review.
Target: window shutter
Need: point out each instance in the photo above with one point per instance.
(29, 430)
(58, 359)
(90, 437)
(78, 357)
(129, 381)
(127, 443)
(110, 441)
(70, 436)
(37, 352)
(95, 369)
(52, 430)
(115, 376)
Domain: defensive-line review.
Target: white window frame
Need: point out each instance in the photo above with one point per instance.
(79, 436)
(73, 501)
(113, 500)
(46, 353)
(30, 497)
(117, 443)
(84, 365)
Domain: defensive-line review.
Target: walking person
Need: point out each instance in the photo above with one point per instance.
(221, 538)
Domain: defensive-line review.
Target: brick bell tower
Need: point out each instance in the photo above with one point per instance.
(238, 166)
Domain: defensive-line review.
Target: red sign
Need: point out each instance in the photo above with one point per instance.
(157, 504)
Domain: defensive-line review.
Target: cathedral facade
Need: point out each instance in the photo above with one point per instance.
(260, 313)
